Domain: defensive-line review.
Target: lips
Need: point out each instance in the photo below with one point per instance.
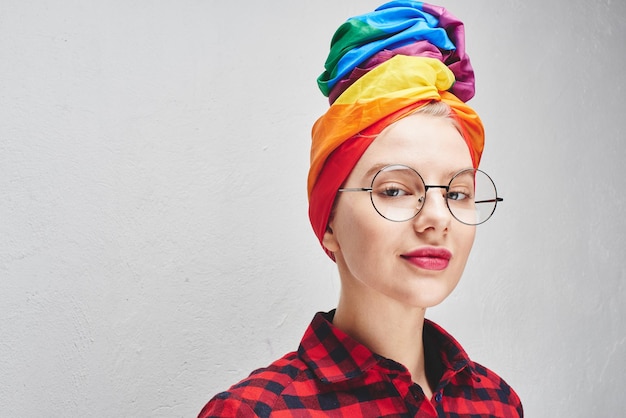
(429, 258)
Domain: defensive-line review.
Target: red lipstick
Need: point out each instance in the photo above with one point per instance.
(429, 258)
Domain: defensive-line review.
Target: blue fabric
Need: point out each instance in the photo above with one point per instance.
(403, 22)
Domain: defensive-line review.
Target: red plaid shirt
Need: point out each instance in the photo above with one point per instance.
(332, 375)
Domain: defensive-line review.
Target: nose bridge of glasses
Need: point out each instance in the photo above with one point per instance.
(435, 186)
(444, 201)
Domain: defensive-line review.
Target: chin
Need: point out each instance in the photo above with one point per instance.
(430, 303)
(430, 299)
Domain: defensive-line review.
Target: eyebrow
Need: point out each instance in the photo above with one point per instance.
(377, 167)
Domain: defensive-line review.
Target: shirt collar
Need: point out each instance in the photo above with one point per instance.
(331, 353)
(335, 356)
(438, 344)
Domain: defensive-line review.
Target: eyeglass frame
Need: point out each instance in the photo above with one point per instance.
(370, 190)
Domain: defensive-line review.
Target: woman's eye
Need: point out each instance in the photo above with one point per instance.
(394, 192)
(456, 195)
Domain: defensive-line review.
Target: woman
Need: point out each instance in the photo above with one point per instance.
(395, 196)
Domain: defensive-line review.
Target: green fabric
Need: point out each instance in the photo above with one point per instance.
(351, 34)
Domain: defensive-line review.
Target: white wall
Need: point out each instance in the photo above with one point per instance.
(154, 240)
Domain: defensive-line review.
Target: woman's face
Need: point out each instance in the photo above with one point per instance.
(418, 262)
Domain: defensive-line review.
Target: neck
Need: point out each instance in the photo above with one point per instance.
(386, 327)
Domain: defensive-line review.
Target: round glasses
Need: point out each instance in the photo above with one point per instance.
(398, 193)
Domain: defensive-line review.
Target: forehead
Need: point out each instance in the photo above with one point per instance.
(426, 143)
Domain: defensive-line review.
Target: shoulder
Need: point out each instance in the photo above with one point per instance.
(257, 394)
(223, 405)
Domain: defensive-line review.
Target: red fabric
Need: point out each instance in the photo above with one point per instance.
(332, 374)
(342, 160)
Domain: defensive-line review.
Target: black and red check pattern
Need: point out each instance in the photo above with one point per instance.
(332, 375)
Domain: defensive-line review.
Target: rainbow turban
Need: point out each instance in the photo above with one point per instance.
(383, 66)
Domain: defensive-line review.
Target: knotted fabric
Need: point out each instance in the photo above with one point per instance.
(383, 66)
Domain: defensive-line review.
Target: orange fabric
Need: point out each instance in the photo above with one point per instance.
(344, 121)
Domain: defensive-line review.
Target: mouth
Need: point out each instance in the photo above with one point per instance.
(429, 258)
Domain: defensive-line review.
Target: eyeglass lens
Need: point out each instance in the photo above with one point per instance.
(399, 193)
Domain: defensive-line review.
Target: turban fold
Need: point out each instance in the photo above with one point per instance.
(383, 66)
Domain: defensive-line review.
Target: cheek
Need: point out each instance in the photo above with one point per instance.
(358, 229)
(465, 241)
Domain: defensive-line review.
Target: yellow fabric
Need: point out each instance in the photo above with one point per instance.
(398, 77)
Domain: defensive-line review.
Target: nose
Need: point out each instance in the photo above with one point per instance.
(435, 214)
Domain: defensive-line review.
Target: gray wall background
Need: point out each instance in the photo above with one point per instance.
(154, 240)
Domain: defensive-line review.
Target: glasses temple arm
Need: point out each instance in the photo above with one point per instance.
(497, 199)
(355, 189)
